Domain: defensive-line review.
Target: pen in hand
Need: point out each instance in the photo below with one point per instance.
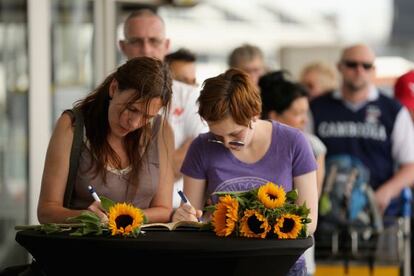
(186, 201)
(93, 193)
(97, 209)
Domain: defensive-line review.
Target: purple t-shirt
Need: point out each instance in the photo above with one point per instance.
(288, 156)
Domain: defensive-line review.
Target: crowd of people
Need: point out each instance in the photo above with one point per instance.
(149, 131)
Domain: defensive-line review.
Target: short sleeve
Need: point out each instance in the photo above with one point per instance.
(402, 138)
(194, 164)
(195, 125)
(317, 146)
(303, 158)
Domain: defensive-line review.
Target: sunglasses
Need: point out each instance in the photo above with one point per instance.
(354, 64)
(232, 143)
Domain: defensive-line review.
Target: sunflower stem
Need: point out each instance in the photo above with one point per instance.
(39, 226)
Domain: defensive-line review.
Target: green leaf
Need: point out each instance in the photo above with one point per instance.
(86, 216)
(106, 203)
(136, 231)
(292, 195)
(242, 202)
(90, 223)
(49, 228)
(210, 208)
(231, 193)
(302, 210)
(78, 232)
(88, 230)
(303, 232)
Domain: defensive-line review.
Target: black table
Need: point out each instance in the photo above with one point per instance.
(172, 252)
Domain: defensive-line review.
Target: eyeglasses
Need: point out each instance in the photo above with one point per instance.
(140, 42)
(231, 143)
(354, 64)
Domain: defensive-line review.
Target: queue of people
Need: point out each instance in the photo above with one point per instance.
(144, 131)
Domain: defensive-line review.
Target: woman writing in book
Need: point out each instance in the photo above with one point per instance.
(125, 148)
(242, 152)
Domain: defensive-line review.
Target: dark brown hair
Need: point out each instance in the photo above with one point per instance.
(181, 54)
(278, 93)
(150, 79)
(231, 93)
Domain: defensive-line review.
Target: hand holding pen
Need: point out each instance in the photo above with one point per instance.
(96, 206)
(93, 193)
(186, 211)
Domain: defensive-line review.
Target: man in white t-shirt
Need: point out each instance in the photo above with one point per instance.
(144, 33)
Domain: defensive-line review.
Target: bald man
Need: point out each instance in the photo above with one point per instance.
(144, 35)
(359, 120)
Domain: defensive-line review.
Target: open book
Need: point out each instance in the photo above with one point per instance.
(175, 226)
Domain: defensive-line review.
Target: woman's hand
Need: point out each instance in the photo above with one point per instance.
(187, 212)
(96, 207)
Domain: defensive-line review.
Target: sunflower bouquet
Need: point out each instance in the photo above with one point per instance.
(264, 212)
(123, 219)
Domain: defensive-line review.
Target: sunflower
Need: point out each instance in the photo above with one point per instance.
(288, 226)
(125, 219)
(254, 225)
(271, 195)
(225, 216)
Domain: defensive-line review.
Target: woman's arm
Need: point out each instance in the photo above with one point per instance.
(50, 206)
(161, 206)
(320, 172)
(194, 190)
(307, 190)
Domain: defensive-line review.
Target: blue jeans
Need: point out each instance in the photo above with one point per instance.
(299, 268)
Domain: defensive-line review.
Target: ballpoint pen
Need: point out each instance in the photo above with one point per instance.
(93, 193)
(185, 200)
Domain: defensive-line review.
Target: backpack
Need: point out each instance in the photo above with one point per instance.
(347, 199)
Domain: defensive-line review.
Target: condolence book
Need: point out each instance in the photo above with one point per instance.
(175, 226)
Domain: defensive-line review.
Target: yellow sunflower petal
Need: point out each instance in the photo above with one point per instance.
(124, 219)
(271, 195)
(288, 226)
(225, 216)
(254, 225)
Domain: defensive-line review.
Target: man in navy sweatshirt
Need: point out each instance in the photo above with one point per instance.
(360, 121)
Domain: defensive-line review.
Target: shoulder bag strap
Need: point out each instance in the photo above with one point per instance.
(74, 156)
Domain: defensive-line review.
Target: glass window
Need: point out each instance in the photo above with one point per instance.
(13, 128)
(72, 52)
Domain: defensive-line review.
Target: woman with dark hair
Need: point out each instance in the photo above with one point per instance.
(126, 147)
(242, 152)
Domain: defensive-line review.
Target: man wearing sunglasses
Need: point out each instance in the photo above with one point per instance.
(359, 120)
